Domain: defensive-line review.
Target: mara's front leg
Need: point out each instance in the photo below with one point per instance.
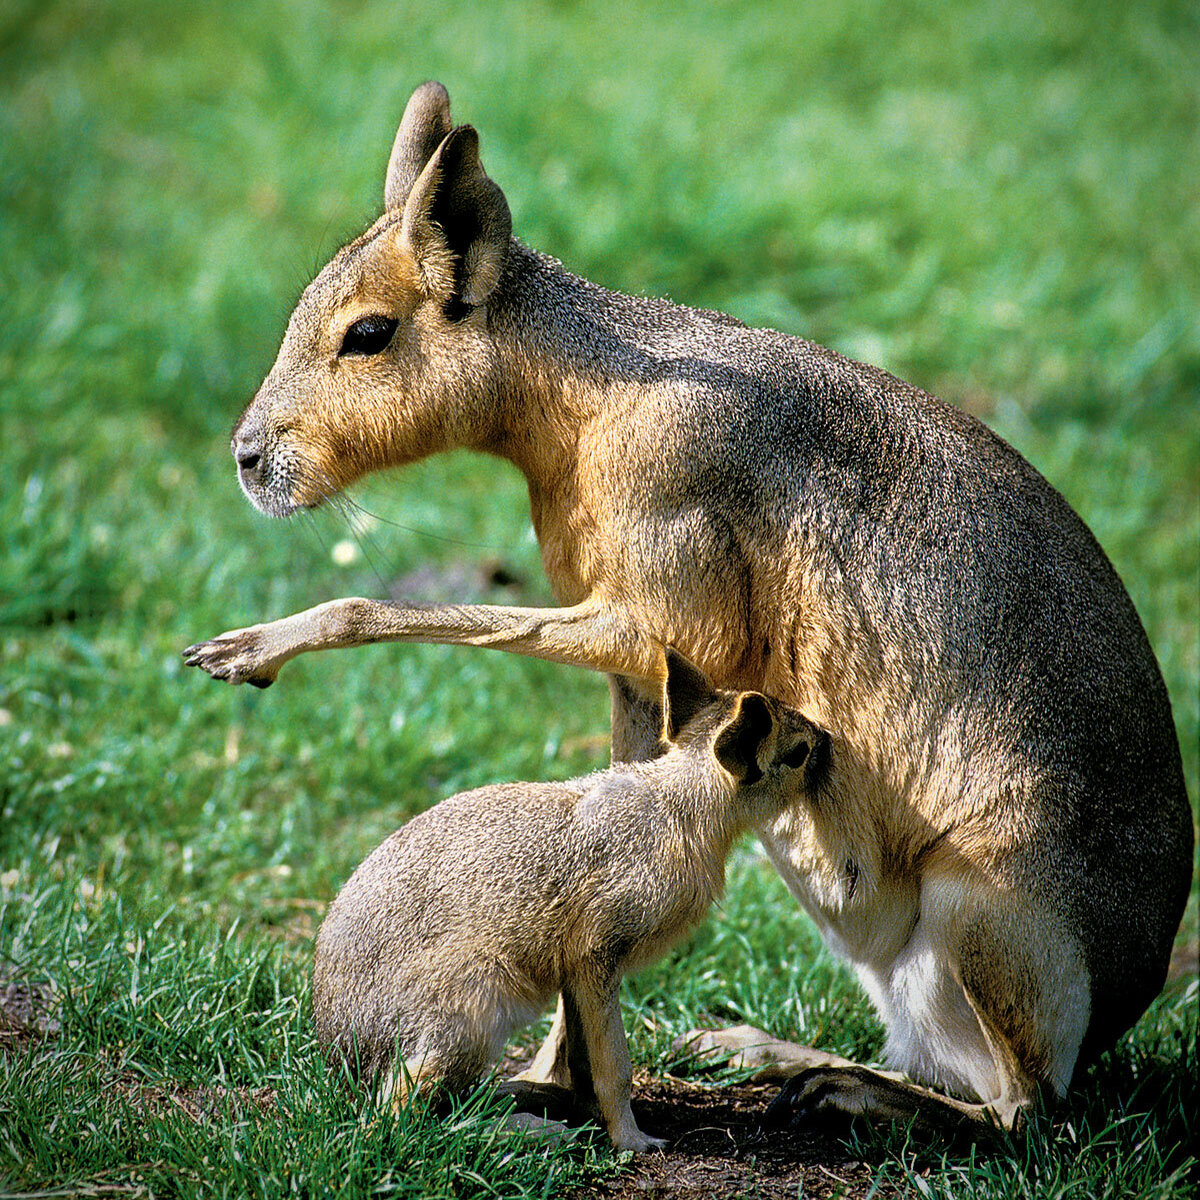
(587, 1053)
(591, 634)
(637, 721)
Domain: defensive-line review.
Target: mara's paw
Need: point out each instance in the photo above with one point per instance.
(820, 1095)
(837, 1095)
(236, 657)
(638, 1142)
(716, 1047)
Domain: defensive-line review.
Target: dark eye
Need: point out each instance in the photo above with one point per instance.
(368, 335)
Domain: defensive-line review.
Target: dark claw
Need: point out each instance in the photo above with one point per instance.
(260, 683)
(797, 1103)
(781, 1112)
(760, 1137)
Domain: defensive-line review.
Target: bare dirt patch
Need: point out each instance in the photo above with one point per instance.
(28, 1010)
(716, 1146)
(463, 580)
(198, 1104)
(717, 1149)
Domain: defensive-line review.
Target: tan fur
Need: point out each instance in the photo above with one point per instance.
(465, 923)
(1008, 776)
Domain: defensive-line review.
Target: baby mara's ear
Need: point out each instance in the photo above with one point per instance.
(762, 735)
(803, 746)
(686, 691)
(744, 744)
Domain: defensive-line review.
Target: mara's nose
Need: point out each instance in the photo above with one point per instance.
(247, 451)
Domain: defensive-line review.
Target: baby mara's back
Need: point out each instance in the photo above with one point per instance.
(475, 906)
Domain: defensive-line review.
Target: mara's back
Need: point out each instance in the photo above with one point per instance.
(526, 875)
(888, 565)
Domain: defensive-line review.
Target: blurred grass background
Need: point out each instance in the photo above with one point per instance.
(998, 202)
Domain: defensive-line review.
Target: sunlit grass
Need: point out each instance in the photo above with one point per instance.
(996, 203)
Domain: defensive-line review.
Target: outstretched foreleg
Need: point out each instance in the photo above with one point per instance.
(591, 634)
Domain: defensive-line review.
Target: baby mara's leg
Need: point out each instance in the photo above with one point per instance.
(442, 1064)
(636, 733)
(450, 1050)
(598, 1057)
(446, 1042)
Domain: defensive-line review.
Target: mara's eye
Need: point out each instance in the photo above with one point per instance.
(368, 335)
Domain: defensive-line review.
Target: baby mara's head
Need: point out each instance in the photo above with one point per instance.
(772, 754)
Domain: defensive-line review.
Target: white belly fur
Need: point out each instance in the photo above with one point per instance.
(892, 934)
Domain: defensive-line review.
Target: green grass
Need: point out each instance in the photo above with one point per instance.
(995, 202)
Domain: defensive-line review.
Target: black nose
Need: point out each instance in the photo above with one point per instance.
(248, 453)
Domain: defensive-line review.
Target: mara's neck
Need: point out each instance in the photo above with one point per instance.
(563, 361)
(704, 810)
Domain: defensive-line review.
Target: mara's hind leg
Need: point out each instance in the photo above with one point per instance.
(420, 1073)
(445, 1045)
(745, 1047)
(991, 998)
(884, 1097)
(446, 1067)
(439, 1075)
(818, 1083)
(549, 1066)
(545, 1087)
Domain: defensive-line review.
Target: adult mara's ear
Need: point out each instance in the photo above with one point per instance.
(457, 225)
(423, 128)
(739, 745)
(685, 692)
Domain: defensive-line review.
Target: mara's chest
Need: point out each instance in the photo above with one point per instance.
(866, 913)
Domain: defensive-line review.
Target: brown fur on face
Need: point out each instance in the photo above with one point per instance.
(327, 414)
(798, 524)
(360, 413)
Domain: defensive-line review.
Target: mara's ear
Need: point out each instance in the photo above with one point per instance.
(423, 128)
(686, 691)
(802, 745)
(457, 225)
(807, 747)
(741, 740)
